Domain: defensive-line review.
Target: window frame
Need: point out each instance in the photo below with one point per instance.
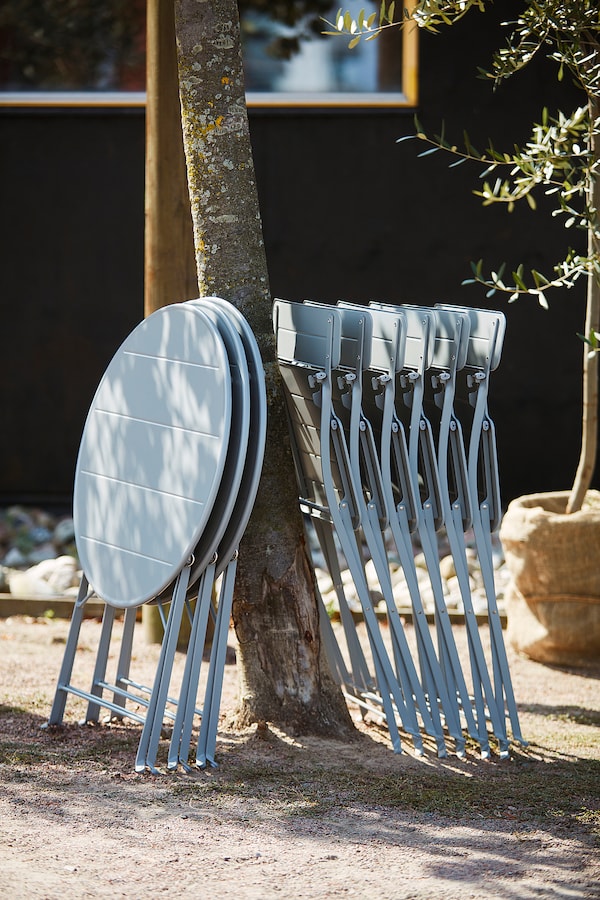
(407, 97)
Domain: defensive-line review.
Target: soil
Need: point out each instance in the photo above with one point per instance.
(286, 815)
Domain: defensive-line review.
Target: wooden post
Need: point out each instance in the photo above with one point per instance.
(169, 258)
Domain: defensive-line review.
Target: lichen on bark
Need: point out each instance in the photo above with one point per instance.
(284, 673)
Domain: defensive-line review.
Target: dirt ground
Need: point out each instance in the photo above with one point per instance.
(288, 816)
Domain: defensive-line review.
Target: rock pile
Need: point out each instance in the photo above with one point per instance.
(450, 584)
(38, 557)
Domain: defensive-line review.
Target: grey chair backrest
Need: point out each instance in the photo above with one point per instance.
(486, 336)
(308, 335)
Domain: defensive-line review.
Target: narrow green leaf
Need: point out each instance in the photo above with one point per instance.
(519, 281)
(354, 42)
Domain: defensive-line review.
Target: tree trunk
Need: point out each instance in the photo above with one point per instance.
(169, 263)
(589, 438)
(284, 674)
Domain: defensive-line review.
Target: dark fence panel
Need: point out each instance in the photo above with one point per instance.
(71, 280)
(347, 212)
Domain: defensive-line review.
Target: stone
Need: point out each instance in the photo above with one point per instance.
(420, 562)
(60, 573)
(14, 558)
(447, 567)
(28, 584)
(41, 553)
(40, 534)
(64, 532)
(480, 604)
(18, 517)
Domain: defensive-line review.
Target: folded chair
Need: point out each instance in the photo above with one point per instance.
(309, 340)
(399, 494)
(356, 328)
(451, 348)
(486, 335)
(410, 395)
(358, 380)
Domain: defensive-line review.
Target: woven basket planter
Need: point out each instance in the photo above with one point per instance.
(553, 601)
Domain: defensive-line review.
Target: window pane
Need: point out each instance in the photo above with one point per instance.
(98, 46)
(72, 45)
(295, 57)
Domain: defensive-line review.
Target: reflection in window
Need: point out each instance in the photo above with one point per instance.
(72, 45)
(97, 47)
(294, 57)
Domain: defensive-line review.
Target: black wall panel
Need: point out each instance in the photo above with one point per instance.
(347, 212)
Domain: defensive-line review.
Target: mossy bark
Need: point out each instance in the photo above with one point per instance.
(284, 673)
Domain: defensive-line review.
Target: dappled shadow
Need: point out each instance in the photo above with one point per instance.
(577, 714)
(591, 670)
(515, 825)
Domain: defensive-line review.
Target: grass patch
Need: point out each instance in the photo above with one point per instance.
(521, 790)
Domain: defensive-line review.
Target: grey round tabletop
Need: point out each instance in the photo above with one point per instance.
(152, 455)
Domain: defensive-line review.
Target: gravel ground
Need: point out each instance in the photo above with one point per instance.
(287, 815)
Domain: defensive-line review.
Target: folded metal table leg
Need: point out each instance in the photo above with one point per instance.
(179, 748)
(207, 738)
(150, 737)
(124, 661)
(99, 676)
(62, 688)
